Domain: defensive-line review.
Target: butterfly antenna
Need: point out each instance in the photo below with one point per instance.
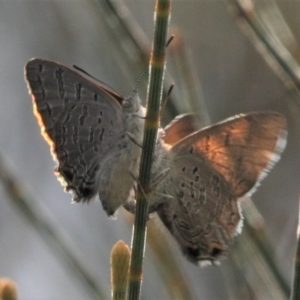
(139, 81)
(88, 74)
(132, 138)
(143, 74)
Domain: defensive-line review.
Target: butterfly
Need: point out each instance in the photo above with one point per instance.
(94, 134)
(89, 128)
(209, 171)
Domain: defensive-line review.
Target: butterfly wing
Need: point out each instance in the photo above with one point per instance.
(182, 126)
(204, 214)
(209, 170)
(242, 149)
(78, 117)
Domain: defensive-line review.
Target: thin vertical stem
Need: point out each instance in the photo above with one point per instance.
(288, 69)
(154, 93)
(295, 295)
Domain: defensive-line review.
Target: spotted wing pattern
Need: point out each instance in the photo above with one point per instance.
(209, 170)
(79, 118)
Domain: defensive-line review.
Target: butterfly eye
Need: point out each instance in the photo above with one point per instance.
(127, 103)
(132, 103)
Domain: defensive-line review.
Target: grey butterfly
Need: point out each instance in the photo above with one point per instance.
(89, 128)
(209, 170)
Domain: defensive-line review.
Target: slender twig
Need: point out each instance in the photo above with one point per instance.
(131, 39)
(275, 53)
(31, 210)
(175, 278)
(256, 274)
(254, 226)
(295, 295)
(284, 65)
(126, 29)
(155, 86)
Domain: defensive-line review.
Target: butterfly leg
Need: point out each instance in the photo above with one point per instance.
(130, 204)
(132, 138)
(138, 183)
(159, 197)
(159, 178)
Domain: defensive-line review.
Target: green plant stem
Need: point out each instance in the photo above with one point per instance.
(130, 39)
(30, 209)
(155, 86)
(295, 295)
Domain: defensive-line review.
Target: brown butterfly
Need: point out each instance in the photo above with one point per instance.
(209, 170)
(89, 128)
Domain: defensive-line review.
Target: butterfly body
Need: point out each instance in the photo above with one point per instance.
(115, 182)
(86, 125)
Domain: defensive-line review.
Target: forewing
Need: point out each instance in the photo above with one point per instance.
(242, 149)
(78, 117)
(180, 127)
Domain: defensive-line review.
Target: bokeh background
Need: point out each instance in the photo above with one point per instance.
(234, 78)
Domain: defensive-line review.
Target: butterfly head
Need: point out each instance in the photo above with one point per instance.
(132, 104)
